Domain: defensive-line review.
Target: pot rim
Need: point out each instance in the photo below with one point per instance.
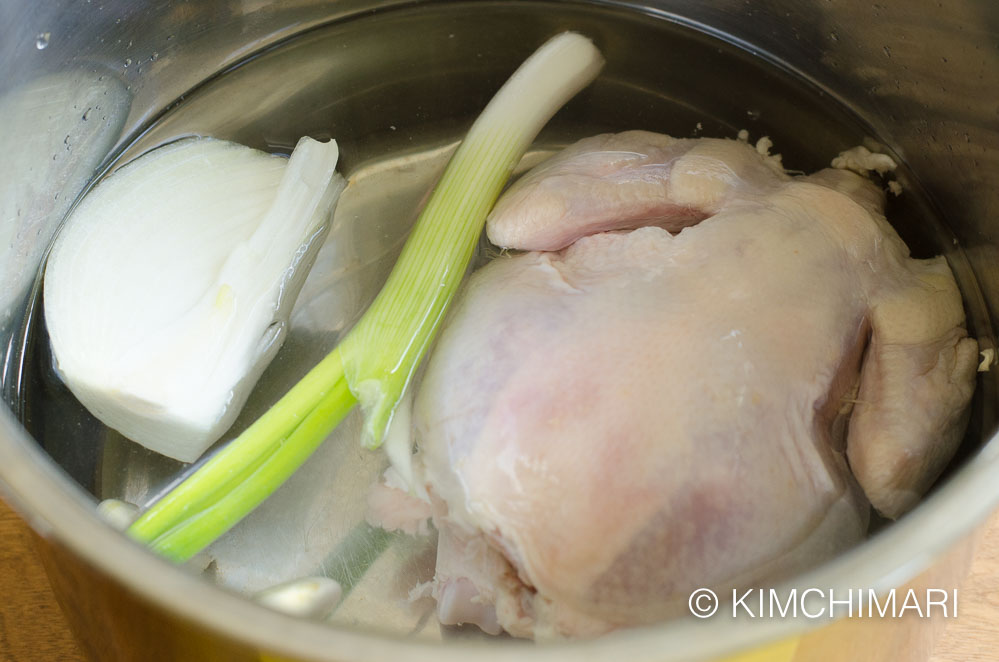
(62, 512)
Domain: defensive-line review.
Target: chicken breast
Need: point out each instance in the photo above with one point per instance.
(702, 372)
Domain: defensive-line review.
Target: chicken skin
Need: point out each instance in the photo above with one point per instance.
(701, 371)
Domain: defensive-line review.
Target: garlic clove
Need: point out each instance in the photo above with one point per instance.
(311, 597)
(119, 514)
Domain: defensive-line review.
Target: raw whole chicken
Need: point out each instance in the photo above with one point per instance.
(701, 372)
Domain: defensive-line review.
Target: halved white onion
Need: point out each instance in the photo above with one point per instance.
(168, 291)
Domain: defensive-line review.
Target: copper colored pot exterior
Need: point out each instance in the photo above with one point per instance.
(113, 623)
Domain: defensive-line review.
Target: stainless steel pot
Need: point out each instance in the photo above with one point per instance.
(81, 81)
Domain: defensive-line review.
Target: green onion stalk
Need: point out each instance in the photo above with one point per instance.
(373, 365)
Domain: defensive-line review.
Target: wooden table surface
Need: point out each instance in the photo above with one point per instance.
(32, 628)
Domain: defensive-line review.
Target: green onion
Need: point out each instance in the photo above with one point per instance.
(385, 347)
(375, 362)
